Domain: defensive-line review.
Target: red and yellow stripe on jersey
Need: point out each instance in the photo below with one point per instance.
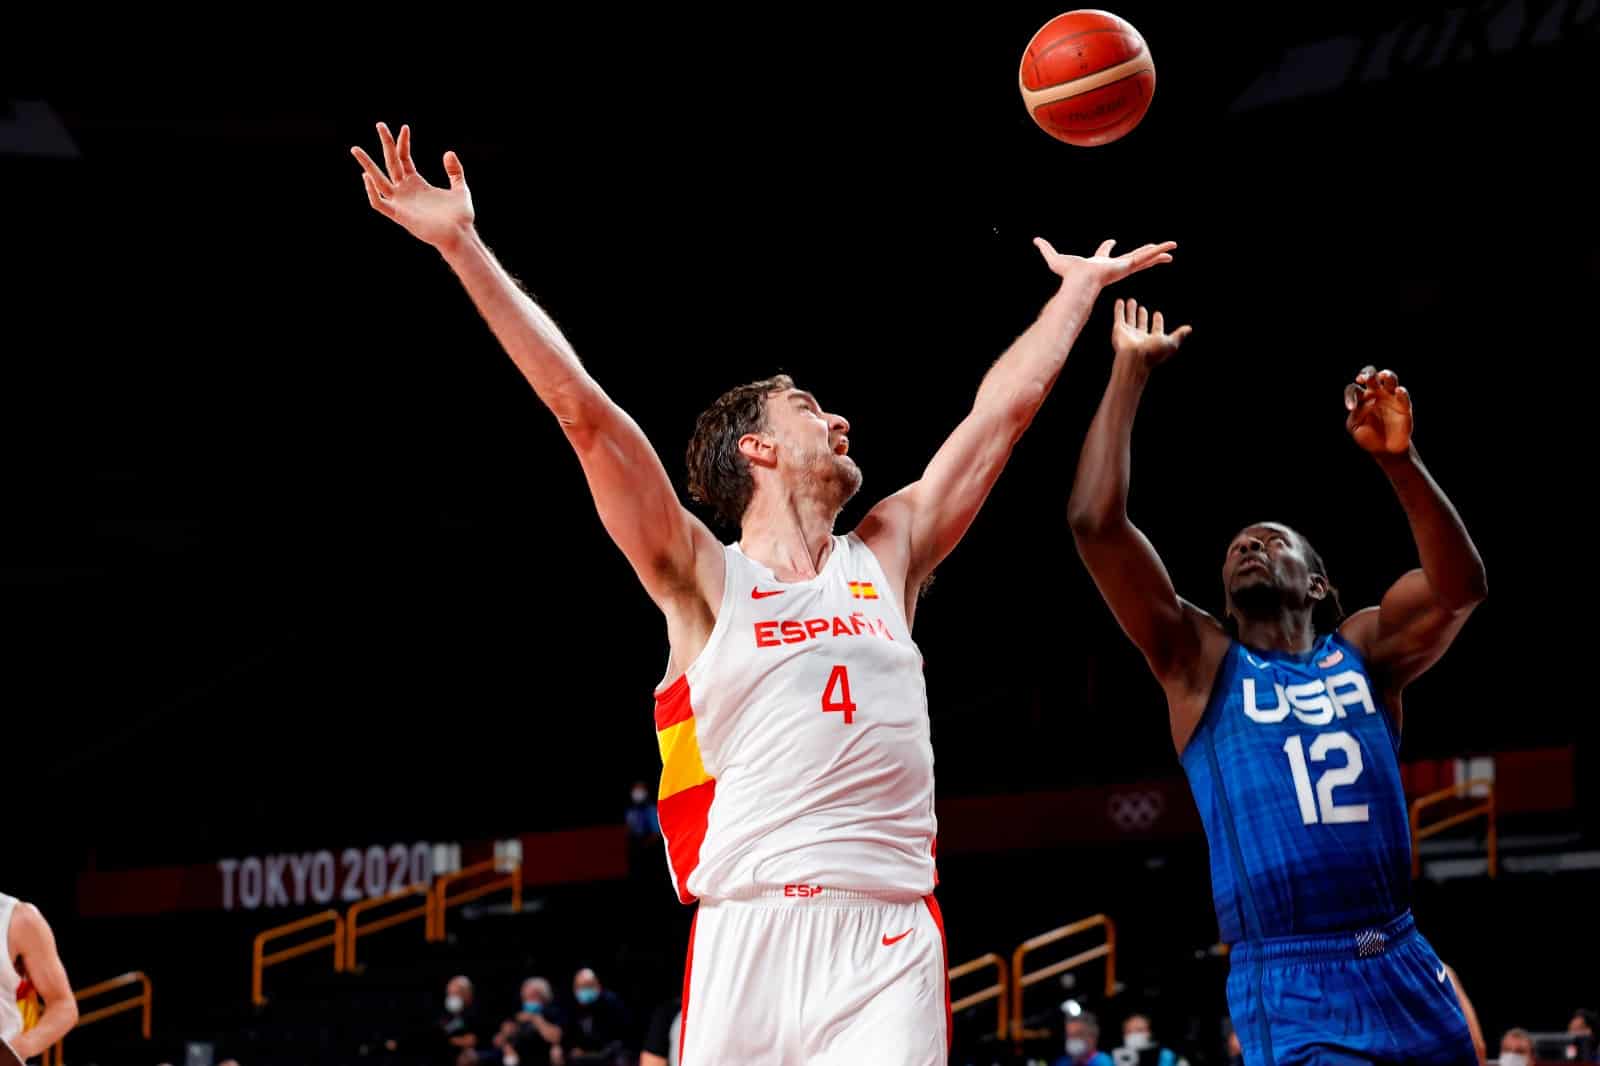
(863, 590)
(684, 799)
(28, 1004)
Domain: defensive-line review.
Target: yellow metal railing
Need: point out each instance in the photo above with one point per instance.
(348, 928)
(260, 960)
(355, 930)
(996, 991)
(1021, 979)
(141, 1003)
(443, 901)
(1477, 810)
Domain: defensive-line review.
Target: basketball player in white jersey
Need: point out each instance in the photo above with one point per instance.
(28, 957)
(796, 795)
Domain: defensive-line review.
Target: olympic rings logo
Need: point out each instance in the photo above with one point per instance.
(1135, 810)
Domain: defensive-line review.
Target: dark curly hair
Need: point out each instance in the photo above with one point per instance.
(719, 476)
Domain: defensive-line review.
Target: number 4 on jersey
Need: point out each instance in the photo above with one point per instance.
(839, 684)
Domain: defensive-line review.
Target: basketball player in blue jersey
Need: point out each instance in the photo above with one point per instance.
(1286, 716)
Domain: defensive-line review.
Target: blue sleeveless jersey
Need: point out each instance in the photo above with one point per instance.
(1294, 770)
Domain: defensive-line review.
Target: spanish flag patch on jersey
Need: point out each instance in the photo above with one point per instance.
(863, 590)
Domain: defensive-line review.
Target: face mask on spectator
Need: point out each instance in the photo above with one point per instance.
(1076, 1046)
(587, 996)
(1513, 1058)
(454, 1004)
(640, 795)
(1136, 1041)
(533, 1006)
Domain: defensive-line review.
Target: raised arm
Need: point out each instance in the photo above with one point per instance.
(1170, 632)
(921, 524)
(673, 553)
(1423, 611)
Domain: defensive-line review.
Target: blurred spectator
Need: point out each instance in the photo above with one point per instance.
(644, 838)
(1516, 1048)
(460, 1026)
(1137, 1039)
(1083, 1042)
(533, 1036)
(661, 1039)
(1584, 1024)
(643, 824)
(599, 1025)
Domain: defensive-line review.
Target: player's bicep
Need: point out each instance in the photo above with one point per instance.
(1407, 632)
(636, 501)
(1136, 586)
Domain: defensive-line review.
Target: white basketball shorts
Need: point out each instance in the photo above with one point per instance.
(814, 976)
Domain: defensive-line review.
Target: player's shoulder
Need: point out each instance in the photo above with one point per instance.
(1204, 620)
(28, 923)
(887, 526)
(28, 912)
(1360, 630)
(1210, 647)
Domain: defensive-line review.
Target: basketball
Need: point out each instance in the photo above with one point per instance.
(1087, 77)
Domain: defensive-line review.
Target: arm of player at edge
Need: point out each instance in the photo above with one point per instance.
(31, 938)
(1124, 564)
(921, 524)
(1422, 612)
(662, 540)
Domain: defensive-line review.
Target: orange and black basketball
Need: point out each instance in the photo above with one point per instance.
(1087, 77)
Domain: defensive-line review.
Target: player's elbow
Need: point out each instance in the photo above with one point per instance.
(1023, 404)
(1471, 591)
(1088, 520)
(578, 403)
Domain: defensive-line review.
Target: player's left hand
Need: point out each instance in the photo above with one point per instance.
(1102, 268)
(1380, 412)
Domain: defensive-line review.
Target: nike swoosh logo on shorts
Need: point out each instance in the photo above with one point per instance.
(757, 594)
(1443, 973)
(888, 940)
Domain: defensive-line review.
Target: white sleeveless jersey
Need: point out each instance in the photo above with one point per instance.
(795, 748)
(10, 980)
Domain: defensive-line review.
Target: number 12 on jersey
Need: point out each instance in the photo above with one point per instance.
(836, 696)
(1332, 813)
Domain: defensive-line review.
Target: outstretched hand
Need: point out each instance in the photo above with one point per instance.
(436, 216)
(1102, 268)
(1136, 334)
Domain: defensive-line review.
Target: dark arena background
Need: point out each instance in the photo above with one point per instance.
(307, 602)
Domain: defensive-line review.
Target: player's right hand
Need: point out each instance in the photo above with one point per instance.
(440, 217)
(1136, 335)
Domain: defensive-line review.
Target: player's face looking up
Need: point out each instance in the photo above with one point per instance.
(1270, 566)
(808, 447)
